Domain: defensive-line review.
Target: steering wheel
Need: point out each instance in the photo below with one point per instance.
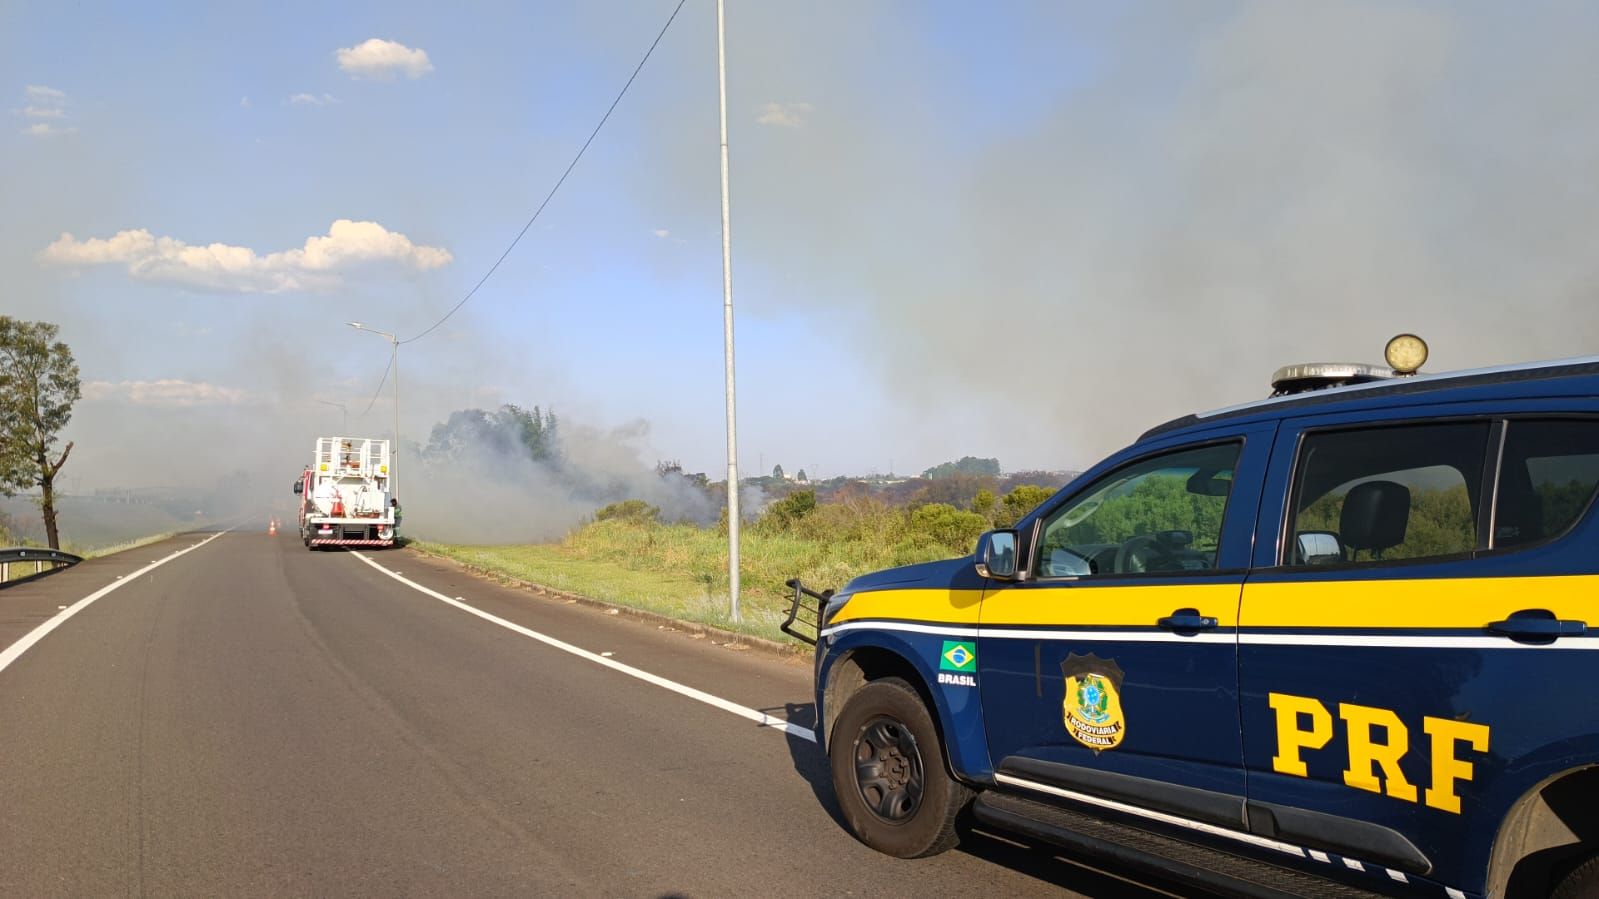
(1136, 554)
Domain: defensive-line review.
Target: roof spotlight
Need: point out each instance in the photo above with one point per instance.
(1405, 354)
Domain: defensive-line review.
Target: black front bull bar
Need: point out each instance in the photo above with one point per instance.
(804, 621)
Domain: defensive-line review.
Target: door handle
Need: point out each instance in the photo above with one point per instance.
(1188, 620)
(1537, 624)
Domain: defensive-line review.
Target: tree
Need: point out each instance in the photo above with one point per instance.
(38, 385)
(781, 514)
(777, 472)
(1019, 502)
(967, 465)
(508, 431)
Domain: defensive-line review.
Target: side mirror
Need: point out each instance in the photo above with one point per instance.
(1317, 548)
(996, 555)
(299, 487)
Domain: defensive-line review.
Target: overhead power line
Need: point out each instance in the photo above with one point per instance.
(562, 180)
(385, 380)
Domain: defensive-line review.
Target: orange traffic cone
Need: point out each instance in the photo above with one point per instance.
(272, 527)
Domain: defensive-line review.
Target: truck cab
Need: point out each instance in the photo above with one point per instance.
(1335, 642)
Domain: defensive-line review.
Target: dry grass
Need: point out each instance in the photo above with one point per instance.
(681, 571)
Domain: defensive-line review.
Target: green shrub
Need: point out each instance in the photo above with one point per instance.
(1018, 503)
(782, 514)
(953, 528)
(635, 510)
(985, 503)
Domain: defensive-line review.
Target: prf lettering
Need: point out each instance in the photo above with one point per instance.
(1305, 725)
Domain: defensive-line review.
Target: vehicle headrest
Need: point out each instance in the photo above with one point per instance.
(1519, 518)
(1374, 516)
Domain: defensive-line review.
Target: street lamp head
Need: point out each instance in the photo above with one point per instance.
(357, 325)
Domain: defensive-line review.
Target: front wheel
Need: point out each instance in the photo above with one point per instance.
(1579, 882)
(889, 775)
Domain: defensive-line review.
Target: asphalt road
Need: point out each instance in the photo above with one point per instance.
(253, 719)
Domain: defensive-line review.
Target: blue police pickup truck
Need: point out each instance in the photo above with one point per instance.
(1333, 643)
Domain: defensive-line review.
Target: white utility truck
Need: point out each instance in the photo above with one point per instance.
(344, 494)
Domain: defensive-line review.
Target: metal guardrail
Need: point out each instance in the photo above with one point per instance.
(35, 556)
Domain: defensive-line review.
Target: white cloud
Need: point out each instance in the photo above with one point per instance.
(661, 232)
(245, 102)
(45, 103)
(381, 59)
(314, 267)
(45, 129)
(313, 100)
(167, 392)
(784, 115)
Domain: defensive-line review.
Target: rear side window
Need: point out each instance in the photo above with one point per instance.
(1387, 494)
(1547, 478)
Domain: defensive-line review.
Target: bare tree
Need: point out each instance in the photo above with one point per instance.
(38, 385)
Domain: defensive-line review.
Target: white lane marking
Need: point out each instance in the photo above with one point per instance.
(1353, 865)
(1454, 893)
(1320, 857)
(15, 650)
(1395, 875)
(758, 717)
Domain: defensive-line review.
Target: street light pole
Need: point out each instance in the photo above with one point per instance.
(394, 454)
(346, 431)
(727, 326)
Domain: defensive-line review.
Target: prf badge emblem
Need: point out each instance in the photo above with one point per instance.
(1092, 710)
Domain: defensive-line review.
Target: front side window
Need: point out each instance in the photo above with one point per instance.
(1547, 478)
(1162, 514)
(1387, 494)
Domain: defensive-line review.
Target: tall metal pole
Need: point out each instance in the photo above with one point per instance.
(394, 450)
(727, 326)
(394, 454)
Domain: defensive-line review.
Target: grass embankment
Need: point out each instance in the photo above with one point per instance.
(630, 558)
(676, 570)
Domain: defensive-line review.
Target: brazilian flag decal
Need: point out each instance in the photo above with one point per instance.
(958, 656)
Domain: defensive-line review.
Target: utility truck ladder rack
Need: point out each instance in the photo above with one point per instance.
(352, 456)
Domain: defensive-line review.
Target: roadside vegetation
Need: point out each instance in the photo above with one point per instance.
(38, 385)
(628, 555)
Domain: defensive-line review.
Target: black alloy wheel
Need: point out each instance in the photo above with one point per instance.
(888, 769)
(889, 775)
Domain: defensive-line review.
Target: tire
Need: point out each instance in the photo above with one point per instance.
(889, 775)
(1581, 882)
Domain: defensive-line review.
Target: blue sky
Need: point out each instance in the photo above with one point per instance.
(1015, 230)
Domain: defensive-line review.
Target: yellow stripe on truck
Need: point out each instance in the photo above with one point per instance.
(1431, 603)
(1137, 606)
(1422, 603)
(932, 606)
(1083, 604)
